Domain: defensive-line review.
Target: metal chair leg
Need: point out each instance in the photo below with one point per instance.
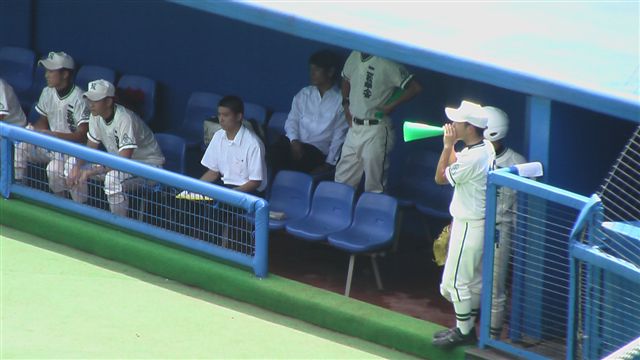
(376, 272)
(352, 261)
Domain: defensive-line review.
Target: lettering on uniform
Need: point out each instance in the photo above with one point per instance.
(368, 83)
(126, 140)
(70, 119)
(115, 134)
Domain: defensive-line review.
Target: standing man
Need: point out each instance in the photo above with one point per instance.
(10, 110)
(316, 127)
(235, 155)
(497, 128)
(367, 87)
(467, 172)
(63, 114)
(122, 133)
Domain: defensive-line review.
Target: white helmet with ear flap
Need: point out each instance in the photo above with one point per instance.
(497, 123)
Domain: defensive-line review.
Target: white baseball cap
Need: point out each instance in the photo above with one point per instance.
(469, 112)
(57, 60)
(99, 90)
(497, 124)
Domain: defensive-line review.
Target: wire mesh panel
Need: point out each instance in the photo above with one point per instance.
(182, 210)
(531, 274)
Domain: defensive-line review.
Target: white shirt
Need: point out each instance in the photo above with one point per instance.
(468, 176)
(506, 197)
(10, 106)
(318, 120)
(238, 160)
(126, 131)
(372, 83)
(64, 114)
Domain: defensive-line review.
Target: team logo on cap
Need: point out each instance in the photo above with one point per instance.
(52, 55)
(92, 86)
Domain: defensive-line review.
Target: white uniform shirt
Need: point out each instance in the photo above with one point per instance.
(126, 131)
(10, 106)
(64, 114)
(468, 176)
(506, 196)
(318, 120)
(238, 160)
(372, 83)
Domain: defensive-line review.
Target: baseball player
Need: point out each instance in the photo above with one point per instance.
(467, 172)
(122, 132)
(63, 114)
(10, 110)
(497, 128)
(368, 83)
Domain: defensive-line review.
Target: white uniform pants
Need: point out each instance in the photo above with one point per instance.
(366, 148)
(57, 164)
(462, 276)
(500, 266)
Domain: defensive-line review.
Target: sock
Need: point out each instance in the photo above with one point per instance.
(463, 316)
(475, 308)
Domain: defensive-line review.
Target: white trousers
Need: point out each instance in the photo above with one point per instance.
(501, 259)
(366, 149)
(57, 164)
(462, 276)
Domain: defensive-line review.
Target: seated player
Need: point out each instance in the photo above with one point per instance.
(316, 126)
(122, 133)
(10, 110)
(63, 114)
(235, 156)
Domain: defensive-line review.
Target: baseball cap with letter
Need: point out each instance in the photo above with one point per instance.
(99, 90)
(469, 112)
(57, 60)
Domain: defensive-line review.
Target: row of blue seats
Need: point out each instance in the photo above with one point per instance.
(330, 214)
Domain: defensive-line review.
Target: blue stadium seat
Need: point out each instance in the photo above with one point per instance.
(33, 93)
(256, 112)
(138, 93)
(16, 67)
(89, 73)
(174, 149)
(331, 211)
(200, 106)
(291, 194)
(372, 229)
(275, 126)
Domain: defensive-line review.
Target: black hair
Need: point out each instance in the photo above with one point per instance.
(327, 60)
(232, 102)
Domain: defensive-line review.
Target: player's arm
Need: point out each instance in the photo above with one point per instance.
(210, 176)
(42, 123)
(447, 157)
(77, 136)
(346, 89)
(77, 174)
(411, 90)
(249, 186)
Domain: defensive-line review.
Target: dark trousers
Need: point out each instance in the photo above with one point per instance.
(281, 157)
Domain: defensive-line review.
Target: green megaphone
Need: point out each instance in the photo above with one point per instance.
(416, 131)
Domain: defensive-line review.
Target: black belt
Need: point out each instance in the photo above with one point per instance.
(365, 121)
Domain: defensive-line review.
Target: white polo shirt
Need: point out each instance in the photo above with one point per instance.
(66, 113)
(468, 176)
(238, 160)
(506, 196)
(372, 82)
(126, 131)
(318, 120)
(10, 106)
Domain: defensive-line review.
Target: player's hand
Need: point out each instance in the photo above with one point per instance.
(84, 175)
(296, 150)
(348, 116)
(450, 136)
(74, 176)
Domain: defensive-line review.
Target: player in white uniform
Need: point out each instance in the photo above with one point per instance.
(497, 128)
(63, 114)
(368, 84)
(122, 132)
(467, 172)
(10, 110)
(235, 156)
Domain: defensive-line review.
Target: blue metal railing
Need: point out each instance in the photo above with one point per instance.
(594, 296)
(256, 207)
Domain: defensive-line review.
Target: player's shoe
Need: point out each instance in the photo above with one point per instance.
(442, 333)
(455, 338)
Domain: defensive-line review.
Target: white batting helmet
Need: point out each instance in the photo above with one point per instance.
(497, 124)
